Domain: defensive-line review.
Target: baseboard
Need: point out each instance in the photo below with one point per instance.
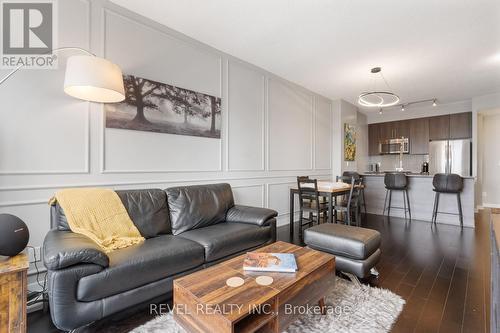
(427, 220)
(491, 205)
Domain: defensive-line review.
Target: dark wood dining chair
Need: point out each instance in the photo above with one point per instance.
(357, 176)
(311, 207)
(349, 205)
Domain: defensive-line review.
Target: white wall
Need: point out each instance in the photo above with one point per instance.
(345, 112)
(489, 158)
(478, 158)
(272, 131)
(480, 104)
(362, 158)
(338, 140)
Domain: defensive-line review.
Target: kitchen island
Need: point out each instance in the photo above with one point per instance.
(421, 195)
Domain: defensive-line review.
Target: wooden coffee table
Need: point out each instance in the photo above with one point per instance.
(204, 303)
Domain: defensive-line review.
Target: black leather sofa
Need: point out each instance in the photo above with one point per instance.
(186, 229)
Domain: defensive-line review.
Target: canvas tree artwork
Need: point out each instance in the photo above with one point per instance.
(349, 142)
(159, 107)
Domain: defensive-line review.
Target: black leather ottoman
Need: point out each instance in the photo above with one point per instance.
(356, 249)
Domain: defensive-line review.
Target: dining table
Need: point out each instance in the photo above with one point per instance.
(329, 190)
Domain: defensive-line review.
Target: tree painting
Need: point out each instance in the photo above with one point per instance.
(159, 107)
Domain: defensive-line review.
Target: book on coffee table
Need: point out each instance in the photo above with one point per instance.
(270, 262)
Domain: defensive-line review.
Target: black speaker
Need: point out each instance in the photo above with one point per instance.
(14, 235)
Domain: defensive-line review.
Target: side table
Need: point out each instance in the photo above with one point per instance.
(13, 293)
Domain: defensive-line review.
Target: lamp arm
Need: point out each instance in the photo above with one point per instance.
(6, 77)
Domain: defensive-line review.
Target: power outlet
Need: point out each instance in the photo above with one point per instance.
(34, 254)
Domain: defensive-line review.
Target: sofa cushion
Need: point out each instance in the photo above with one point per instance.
(58, 219)
(137, 265)
(343, 240)
(223, 239)
(193, 207)
(148, 210)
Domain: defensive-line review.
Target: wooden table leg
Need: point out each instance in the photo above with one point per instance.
(321, 304)
(292, 208)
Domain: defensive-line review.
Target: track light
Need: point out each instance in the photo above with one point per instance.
(380, 111)
(407, 104)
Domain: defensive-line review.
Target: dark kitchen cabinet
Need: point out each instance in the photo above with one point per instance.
(420, 131)
(402, 129)
(461, 125)
(439, 128)
(373, 139)
(386, 131)
(419, 136)
(394, 130)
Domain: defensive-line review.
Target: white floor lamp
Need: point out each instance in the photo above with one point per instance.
(89, 77)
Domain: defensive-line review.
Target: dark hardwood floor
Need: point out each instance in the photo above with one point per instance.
(443, 274)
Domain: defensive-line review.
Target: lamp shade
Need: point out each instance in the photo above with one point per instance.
(93, 79)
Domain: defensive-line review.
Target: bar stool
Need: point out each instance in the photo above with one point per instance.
(360, 182)
(447, 183)
(396, 181)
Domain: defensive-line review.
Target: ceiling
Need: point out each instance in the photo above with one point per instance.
(447, 49)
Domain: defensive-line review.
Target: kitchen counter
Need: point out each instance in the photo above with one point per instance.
(421, 195)
(380, 174)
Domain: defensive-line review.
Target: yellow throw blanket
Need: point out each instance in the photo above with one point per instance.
(100, 215)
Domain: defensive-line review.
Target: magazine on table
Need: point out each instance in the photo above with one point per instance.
(270, 262)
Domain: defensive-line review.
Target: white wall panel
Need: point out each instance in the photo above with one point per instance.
(279, 197)
(245, 118)
(142, 152)
(170, 61)
(142, 50)
(42, 130)
(323, 134)
(250, 195)
(290, 127)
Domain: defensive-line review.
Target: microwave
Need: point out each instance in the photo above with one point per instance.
(393, 146)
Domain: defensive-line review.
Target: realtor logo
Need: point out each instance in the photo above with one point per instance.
(28, 33)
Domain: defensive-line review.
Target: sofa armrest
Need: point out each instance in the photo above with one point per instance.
(251, 215)
(65, 248)
(67, 312)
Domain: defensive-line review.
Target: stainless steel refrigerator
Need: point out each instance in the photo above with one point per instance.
(451, 156)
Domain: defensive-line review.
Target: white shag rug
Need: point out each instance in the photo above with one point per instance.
(350, 308)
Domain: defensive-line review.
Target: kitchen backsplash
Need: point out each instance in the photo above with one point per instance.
(391, 162)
